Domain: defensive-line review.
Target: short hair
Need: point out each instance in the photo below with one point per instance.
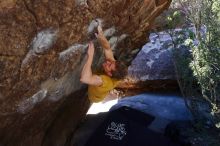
(120, 71)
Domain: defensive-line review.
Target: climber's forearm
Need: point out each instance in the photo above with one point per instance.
(105, 44)
(87, 76)
(107, 48)
(86, 73)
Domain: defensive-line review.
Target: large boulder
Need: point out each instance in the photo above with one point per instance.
(155, 60)
(42, 51)
(153, 68)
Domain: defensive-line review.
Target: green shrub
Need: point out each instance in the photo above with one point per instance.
(202, 66)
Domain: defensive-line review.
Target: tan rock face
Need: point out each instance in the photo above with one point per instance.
(42, 50)
(7, 4)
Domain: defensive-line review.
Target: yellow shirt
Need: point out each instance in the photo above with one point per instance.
(98, 93)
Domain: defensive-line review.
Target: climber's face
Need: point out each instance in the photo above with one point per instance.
(108, 67)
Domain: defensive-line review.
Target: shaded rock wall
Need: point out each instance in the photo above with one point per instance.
(42, 50)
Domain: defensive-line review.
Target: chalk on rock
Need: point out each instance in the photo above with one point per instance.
(57, 94)
(44, 40)
(94, 24)
(109, 32)
(68, 53)
(115, 40)
(81, 2)
(29, 103)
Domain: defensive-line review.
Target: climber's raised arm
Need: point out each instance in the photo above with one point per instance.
(105, 44)
(87, 76)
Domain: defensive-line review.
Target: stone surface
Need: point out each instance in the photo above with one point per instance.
(42, 51)
(154, 61)
(153, 68)
(169, 106)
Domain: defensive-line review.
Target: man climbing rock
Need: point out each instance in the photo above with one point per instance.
(113, 71)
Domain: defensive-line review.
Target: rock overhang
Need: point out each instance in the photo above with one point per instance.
(42, 50)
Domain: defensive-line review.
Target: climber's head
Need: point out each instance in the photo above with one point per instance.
(115, 69)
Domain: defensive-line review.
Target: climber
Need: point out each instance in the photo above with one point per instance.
(113, 71)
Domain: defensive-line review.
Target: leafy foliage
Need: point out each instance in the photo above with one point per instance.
(203, 64)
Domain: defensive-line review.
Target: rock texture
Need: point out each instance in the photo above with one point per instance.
(153, 68)
(155, 60)
(42, 51)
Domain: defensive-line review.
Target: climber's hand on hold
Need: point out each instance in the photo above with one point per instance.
(100, 35)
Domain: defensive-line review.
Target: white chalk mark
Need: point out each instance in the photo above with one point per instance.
(44, 40)
(122, 37)
(94, 24)
(68, 53)
(109, 32)
(81, 2)
(41, 43)
(115, 40)
(58, 94)
(28, 104)
(150, 63)
(134, 51)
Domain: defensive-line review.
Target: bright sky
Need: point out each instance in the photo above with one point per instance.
(101, 107)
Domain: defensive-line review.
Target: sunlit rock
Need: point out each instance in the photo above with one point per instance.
(154, 61)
